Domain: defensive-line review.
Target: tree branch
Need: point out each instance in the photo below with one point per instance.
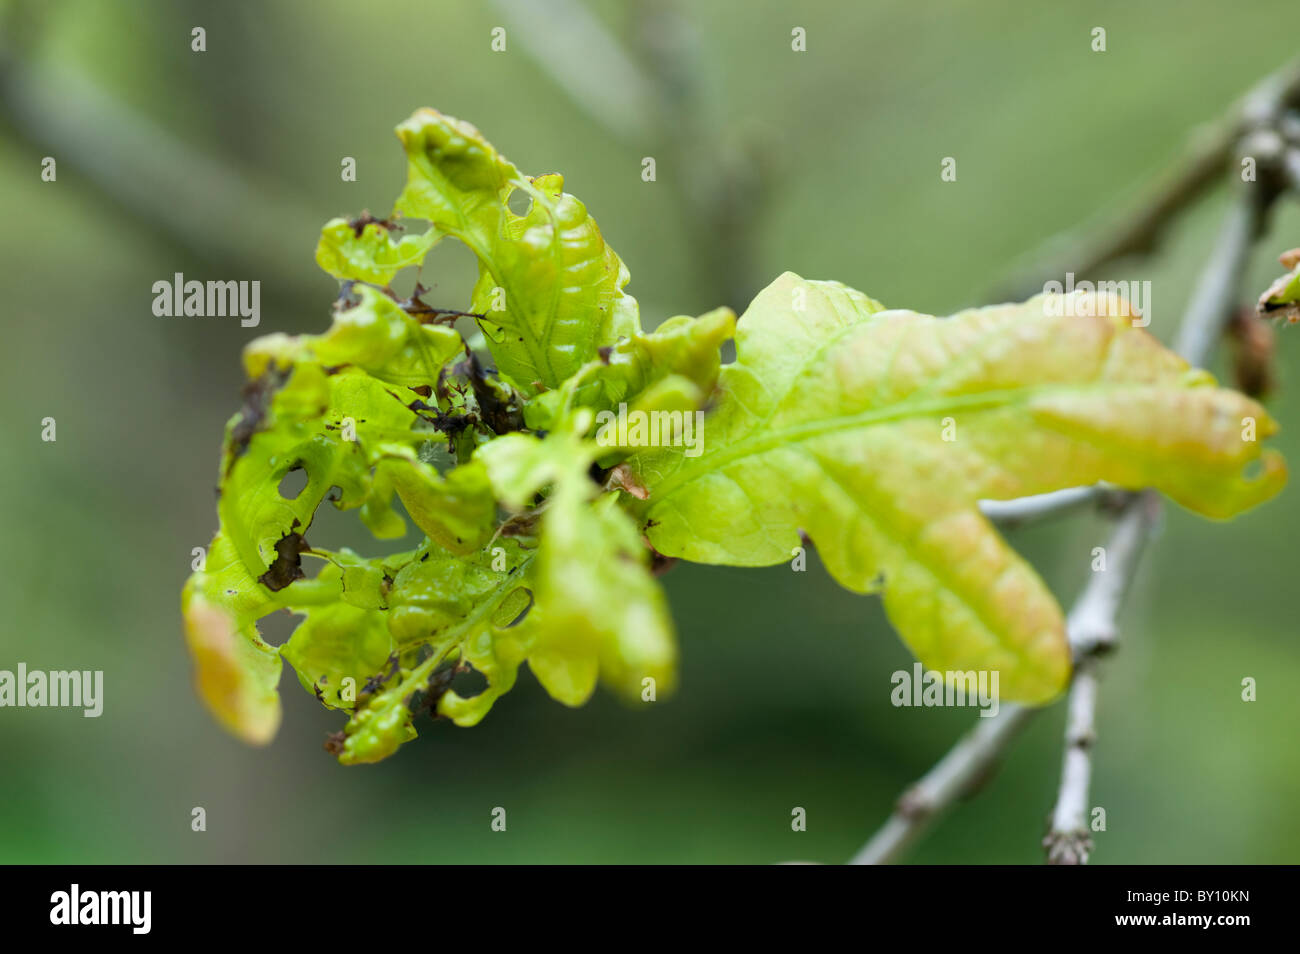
(1092, 247)
(1028, 509)
(1022, 510)
(1091, 627)
(1292, 161)
(572, 46)
(1092, 633)
(149, 174)
(1208, 156)
(956, 775)
(1216, 292)
(1067, 841)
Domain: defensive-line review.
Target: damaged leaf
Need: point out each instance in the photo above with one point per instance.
(874, 432)
(549, 287)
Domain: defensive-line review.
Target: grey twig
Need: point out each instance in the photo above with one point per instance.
(953, 776)
(1215, 294)
(1092, 631)
(1021, 510)
(1067, 841)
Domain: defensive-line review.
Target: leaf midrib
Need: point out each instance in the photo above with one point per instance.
(765, 441)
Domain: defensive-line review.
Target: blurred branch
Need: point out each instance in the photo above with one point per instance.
(1215, 294)
(1293, 169)
(1207, 156)
(1137, 232)
(145, 171)
(1091, 628)
(573, 47)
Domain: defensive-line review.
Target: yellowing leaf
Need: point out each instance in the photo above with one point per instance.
(236, 674)
(877, 433)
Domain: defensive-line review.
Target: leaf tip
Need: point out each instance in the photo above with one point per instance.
(235, 676)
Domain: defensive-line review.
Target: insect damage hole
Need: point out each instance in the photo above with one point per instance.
(520, 203)
(294, 482)
(468, 682)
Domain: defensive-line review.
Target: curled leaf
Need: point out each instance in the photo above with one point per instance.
(551, 289)
(1282, 298)
(365, 251)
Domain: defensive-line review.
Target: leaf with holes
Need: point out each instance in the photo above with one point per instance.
(540, 523)
(550, 289)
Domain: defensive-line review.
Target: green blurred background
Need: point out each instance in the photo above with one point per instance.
(224, 164)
